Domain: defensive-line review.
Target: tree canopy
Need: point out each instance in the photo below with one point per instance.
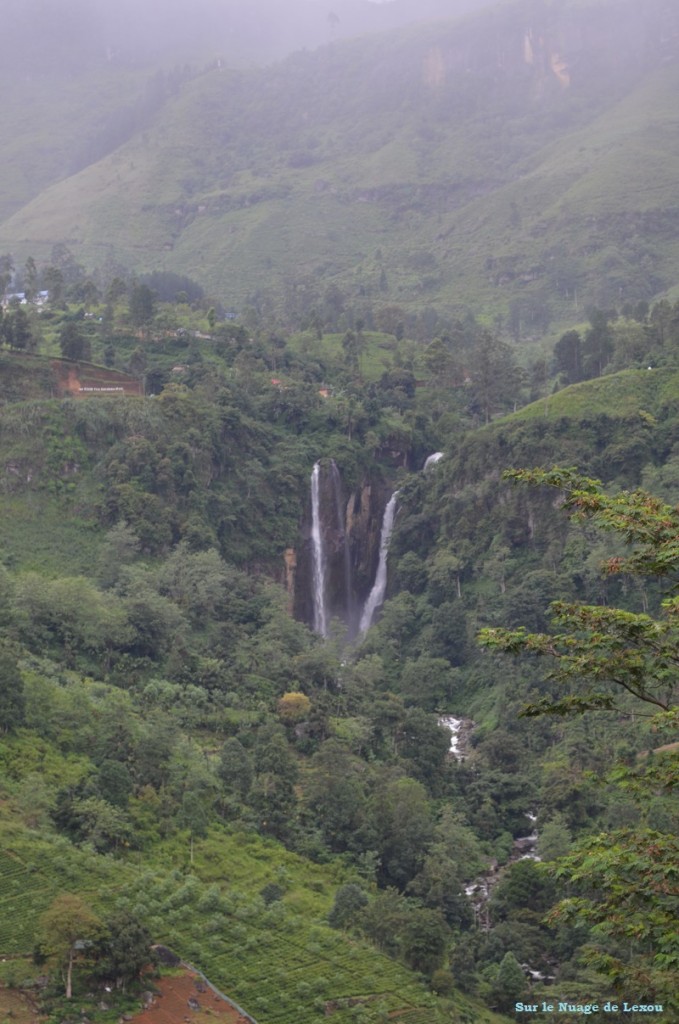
(624, 882)
(625, 654)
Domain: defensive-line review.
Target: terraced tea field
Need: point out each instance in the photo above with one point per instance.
(24, 895)
(281, 962)
(28, 887)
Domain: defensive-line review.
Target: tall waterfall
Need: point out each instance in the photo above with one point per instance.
(318, 555)
(376, 596)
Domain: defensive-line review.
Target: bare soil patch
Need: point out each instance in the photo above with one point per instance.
(18, 1007)
(186, 999)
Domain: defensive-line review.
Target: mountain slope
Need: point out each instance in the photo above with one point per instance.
(522, 160)
(77, 83)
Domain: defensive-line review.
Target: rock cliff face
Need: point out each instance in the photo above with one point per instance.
(350, 526)
(364, 515)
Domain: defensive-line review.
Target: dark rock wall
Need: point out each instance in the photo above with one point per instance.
(351, 525)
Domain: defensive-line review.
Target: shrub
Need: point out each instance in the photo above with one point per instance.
(442, 981)
(271, 893)
(350, 900)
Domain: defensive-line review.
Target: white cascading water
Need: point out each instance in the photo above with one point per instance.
(317, 554)
(431, 460)
(454, 725)
(376, 595)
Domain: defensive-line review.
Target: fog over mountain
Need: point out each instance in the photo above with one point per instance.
(518, 157)
(69, 35)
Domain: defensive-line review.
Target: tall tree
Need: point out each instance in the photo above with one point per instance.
(273, 793)
(336, 794)
(12, 701)
(124, 950)
(509, 984)
(568, 357)
(72, 342)
(53, 280)
(142, 306)
(66, 927)
(6, 271)
(598, 345)
(235, 768)
(21, 329)
(495, 377)
(404, 828)
(5, 328)
(63, 259)
(30, 279)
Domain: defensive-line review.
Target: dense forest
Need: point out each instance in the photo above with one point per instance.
(186, 760)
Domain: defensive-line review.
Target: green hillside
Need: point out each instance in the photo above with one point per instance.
(78, 84)
(280, 961)
(49, 127)
(630, 392)
(430, 171)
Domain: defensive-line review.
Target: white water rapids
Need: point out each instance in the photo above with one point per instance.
(454, 725)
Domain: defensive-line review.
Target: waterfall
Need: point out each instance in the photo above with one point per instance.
(318, 554)
(431, 460)
(376, 596)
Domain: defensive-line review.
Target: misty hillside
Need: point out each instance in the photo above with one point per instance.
(523, 159)
(83, 78)
(74, 35)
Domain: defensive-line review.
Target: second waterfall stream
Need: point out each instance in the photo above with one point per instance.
(379, 588)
